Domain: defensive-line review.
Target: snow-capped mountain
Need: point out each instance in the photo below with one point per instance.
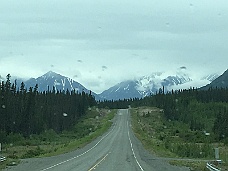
(123, 90)
(142, 87)
(135, 88)
(149, 85)
(219, 82)
(211, 77)
(52, 80)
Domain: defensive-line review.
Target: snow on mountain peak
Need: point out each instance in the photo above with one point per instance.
(147, 83)
(210, 77)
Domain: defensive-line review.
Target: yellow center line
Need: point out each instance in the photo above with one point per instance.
(98, 162)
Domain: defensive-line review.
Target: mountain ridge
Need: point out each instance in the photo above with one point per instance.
(52, 80)
(149, 85)
(219, 82)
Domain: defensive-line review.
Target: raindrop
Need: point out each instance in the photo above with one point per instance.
(3, 106)
(104, 68)
(99, 29)
(135, 54)
(167, 24)
(65, 114)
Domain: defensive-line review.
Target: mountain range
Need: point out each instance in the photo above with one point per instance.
(136, 88)
(149, 85)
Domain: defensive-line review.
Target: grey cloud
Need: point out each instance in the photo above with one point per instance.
(144, 35)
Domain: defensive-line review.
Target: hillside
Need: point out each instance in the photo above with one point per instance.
(220, 82)
(52, 80)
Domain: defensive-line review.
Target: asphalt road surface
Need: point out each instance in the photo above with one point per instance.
(117, 150)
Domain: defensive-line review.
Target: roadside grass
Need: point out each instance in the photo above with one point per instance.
(193, 165)
(145, 129)
(95, 123)
(8, 162)
(104, 125)
(169, 139)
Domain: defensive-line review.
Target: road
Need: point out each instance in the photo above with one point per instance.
(117, 150)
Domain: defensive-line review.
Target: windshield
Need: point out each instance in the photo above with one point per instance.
(102, 43)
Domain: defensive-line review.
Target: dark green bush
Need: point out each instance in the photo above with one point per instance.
(33, 153)
(49, 135)
(15, 139)
(3, 137)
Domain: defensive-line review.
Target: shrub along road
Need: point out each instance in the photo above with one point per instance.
(118, 149)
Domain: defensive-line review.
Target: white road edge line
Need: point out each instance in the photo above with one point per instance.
(78, 155)
(133, 149)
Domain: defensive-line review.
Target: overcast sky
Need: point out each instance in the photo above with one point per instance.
(102, 42)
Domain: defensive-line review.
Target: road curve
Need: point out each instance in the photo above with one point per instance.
(117, 150)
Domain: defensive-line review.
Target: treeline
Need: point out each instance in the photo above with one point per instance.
(31, 112)
(115, 104)
(201, 110)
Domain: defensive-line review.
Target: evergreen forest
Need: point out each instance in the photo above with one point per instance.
(27, 111)
(203, 110)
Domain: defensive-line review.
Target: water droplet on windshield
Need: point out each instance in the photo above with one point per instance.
(167, 24)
